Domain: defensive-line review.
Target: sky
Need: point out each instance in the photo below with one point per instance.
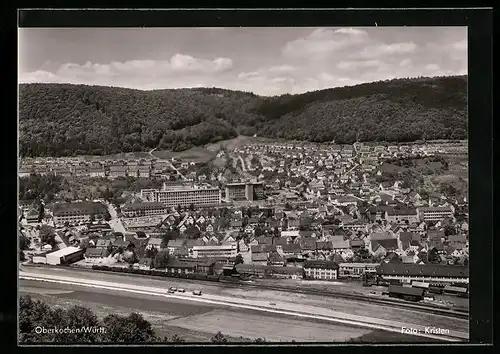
(266, 61)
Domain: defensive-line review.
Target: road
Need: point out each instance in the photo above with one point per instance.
(283, 306)
(244, 168)
(169, 163)
(115, 222)
(195, 321)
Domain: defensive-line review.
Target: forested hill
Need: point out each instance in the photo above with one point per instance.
(64, 119)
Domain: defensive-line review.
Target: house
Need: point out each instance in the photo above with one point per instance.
(155, 242)
(402, 215)
(259, 258)
(387, 245)
(95, 253)
(275, 259)
(209, 228)
(292, 249)
(236, 224)
(404, 240)
(457, 241)
(174, 245)
(323, 270)
(103, 243)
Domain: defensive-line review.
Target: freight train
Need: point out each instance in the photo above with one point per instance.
(161, 273)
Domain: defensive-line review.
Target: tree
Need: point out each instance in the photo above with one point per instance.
(128, 329)
(191, 207)
(177, 339)
(41, 212)
(161, 260)
(24, 242)
(179, 208)
(433, 256)
(260, 340)
(170, 234)
(47, 235)
(79, 317)
(151, 252)
(239, 259)
(192, 232)
(450, 230)
(218, 338)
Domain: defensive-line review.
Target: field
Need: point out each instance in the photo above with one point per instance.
(273, 329)
(195, 154)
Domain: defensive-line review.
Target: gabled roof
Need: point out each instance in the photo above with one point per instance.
(261, 256)
(388, 244)
(424, 270)
(381, 236)
(320, 264)
(155, 241)
(175, 243)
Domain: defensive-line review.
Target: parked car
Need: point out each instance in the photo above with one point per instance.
(181, 290)
(197, 292)
(272, 303)
(172, 290)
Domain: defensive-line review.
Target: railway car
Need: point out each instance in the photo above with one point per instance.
(456, 290)
(406, 293)
(212, 277)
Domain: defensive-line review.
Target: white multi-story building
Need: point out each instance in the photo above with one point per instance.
(224, 250)
(144, 209)
(185, 197)
(323, 270)
(75, 213)
(435, 213)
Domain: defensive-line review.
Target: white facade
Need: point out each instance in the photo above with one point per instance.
(56, 258)
(226, 250)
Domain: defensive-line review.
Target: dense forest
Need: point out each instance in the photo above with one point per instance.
(64, 119)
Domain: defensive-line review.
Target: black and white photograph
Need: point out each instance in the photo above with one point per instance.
(243, 185)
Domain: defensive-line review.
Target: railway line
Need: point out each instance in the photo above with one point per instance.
(454, 313)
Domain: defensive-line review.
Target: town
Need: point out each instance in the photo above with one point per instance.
(379, 214)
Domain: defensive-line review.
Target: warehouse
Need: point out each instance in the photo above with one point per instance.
(66, 255)
(406, 293)
(434, 274)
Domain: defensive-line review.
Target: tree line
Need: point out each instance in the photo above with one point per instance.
(36, 315)
(64, 119)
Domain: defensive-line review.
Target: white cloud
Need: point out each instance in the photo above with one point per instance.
(282, 69)
(405, 63)
(384, 50)
(352, 65)
(38, 76)
(352, 31)
(431, 67)
(185, 63)
(323, 42)
(460, 45)
(324, 58)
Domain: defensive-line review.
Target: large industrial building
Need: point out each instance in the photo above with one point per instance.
(75, 213)
(66, 255)
(435, 213)
(435, 274)
(224, 250)
(144, 209)
(185, 196)
(244, 191)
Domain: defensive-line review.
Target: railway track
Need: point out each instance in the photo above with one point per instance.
(455, 313)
